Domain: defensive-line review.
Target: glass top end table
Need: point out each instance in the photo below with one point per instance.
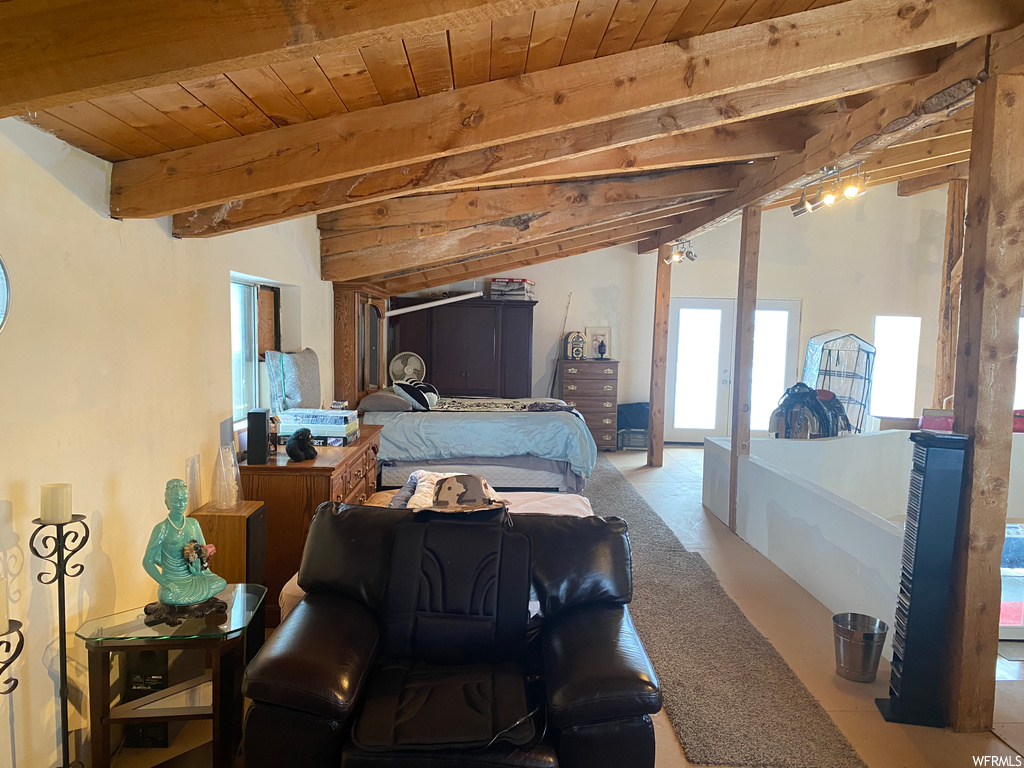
(222, 636)
(243, 601)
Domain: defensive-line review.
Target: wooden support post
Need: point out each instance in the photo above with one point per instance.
(742, 374)
(949, 294)
(659, 358)
(986, 358)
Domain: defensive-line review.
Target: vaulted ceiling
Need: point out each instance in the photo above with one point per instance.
(448, 139)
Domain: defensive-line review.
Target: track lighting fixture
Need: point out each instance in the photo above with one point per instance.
(683, 250)
(831, 193)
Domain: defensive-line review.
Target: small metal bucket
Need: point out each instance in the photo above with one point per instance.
(859, 640)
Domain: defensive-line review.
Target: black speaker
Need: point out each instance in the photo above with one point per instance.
(259, 436)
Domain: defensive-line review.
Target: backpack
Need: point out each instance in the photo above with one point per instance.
(806, 413)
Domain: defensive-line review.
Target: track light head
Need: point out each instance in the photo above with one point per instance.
(815, 201)
(799, 209)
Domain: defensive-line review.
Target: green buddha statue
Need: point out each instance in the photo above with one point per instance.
(176, 556)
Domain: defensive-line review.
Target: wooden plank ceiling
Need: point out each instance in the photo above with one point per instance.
(149, 121)
(460, 168)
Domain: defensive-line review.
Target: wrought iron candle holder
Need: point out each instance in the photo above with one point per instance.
(11, 644)
(57, 549)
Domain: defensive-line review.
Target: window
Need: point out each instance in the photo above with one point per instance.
(255, 328)
(1018, 389)
(894, 380)
(771, 359)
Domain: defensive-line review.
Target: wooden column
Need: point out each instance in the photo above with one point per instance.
(659, 357)
(949, 291)
(985, 375)
(742, 375)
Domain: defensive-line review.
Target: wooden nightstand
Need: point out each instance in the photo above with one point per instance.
(592, 388)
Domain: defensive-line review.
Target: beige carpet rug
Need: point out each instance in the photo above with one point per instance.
(730, 696)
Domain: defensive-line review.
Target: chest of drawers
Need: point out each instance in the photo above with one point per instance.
(592, 388)
(291, 492)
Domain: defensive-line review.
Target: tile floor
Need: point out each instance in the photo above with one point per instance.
(800, 628)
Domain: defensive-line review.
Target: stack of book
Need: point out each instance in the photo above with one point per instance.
(512, 288)
(334, 427)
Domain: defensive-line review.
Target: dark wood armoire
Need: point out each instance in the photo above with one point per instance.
(475, 347)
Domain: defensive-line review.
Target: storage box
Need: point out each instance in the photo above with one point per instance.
(632, 440)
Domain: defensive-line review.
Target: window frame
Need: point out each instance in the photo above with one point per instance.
(254, 289)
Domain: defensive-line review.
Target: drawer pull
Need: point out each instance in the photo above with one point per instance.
(607, 405)
(571, 404)
(359, 473)
(606, 437)
(362, 498)
(607, 421)
(571, 387)
(572, 370)
(609, 387)
(609, 370)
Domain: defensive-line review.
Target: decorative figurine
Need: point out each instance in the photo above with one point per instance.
(601, 349)
(300, 445)
(177, 557)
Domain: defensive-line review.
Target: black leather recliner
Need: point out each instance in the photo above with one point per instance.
(412, 647)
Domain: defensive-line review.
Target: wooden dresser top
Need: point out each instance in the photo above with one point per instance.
(328, 457)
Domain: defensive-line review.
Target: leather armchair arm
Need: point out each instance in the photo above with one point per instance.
(596, 667)
(318, 659)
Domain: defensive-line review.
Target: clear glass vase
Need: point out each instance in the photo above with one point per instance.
(227, 481)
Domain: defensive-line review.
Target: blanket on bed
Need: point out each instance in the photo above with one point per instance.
(492, 405)
(424, 435)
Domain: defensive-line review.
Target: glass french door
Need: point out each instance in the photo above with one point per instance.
(700, 360)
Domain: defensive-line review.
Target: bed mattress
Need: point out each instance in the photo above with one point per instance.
(502, 473)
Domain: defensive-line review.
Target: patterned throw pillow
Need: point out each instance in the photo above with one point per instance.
(421, 396)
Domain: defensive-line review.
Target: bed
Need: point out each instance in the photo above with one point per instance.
(529, 502)
(513, 443)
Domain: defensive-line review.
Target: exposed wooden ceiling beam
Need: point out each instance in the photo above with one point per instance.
(644, 221)
(893, 162)
(462, 209)
(63, 51)
(493, 237)
(482, 266)
(730, 143)
(1007, 52)
(515, 155)
(933, 180)
(893, 175)
(716, 64)
(886, 120)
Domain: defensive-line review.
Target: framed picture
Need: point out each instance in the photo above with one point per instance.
(595, 335)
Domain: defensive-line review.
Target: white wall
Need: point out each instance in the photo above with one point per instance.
(613, 287)
(114, 368)
(870, 470)
(843, 555)
(878, 255)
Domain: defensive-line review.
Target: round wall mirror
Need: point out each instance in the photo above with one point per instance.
(5, 294)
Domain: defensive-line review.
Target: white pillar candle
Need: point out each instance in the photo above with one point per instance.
(55, 503)
(4, 619)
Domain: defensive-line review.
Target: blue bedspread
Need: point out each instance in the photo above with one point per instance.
(418, 436)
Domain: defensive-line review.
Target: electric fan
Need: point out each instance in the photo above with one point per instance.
(407, 366)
